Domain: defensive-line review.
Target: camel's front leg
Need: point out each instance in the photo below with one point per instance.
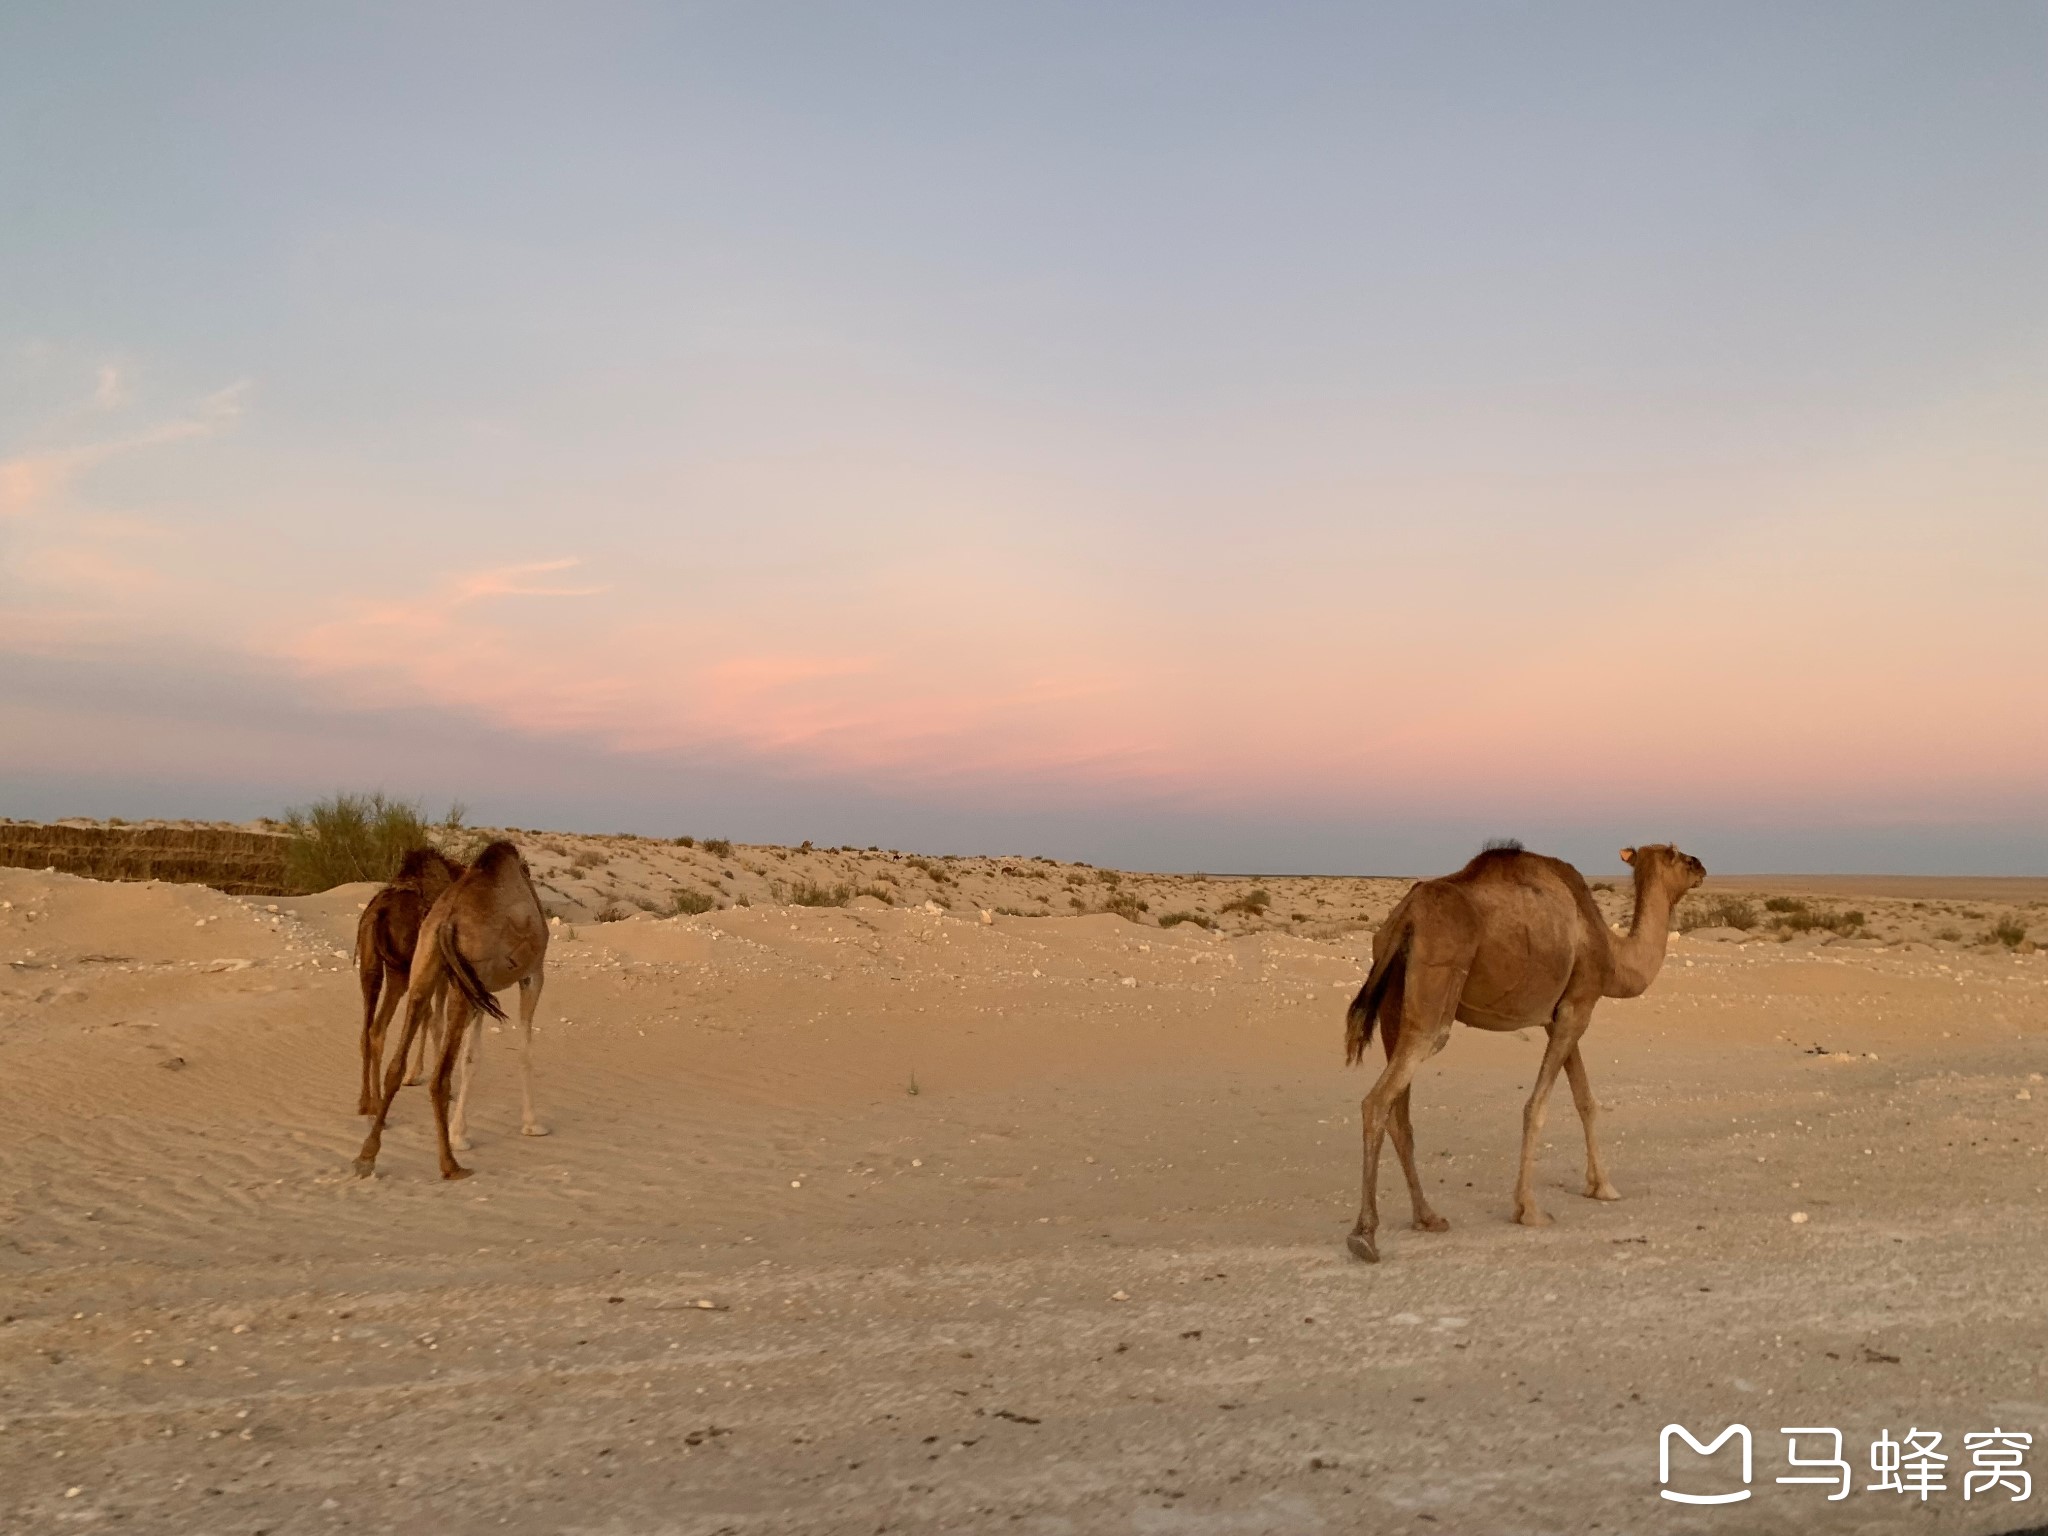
(529, 999)
(1526, 1210)
(1597, 1187)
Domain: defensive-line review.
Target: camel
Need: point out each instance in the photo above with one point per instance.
(386, 935)
(485, 933)
(1510, 940)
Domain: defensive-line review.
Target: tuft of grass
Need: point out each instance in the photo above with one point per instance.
(2009, 931)
(350, 837)
(688, 903)
(718, 847)
(612, 912)
(1253, 903)
(1717, 912)
(686, 842)
(1784, 904)
(1127, 906)
(914, 1090)
(1174, 919)
(806, 894)
(1806, 920)
(881, 893)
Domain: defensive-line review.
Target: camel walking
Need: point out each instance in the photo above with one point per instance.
(386, 936)
(1510, 940)
(485, 933)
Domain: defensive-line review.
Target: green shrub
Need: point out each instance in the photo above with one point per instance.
(688, 903)
(352, 837)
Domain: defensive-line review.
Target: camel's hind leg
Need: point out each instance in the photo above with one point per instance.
(429, 1049)
(1597, 1187)
(1426, 1220)
(459, 1016)
(380, 998)
(1566, 1025)
(1429, 1001)
(420, 998)
(458, 1131)
(529, 999)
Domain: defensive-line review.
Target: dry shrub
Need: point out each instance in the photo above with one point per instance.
(718, 847)
(1717, 912)
(1252, 903)
(806, 894)
(1126, 906)
(688, 903)
(1175, 919)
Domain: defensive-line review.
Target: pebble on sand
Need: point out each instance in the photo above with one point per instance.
(1799, 1218)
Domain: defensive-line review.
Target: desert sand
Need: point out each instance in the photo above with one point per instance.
(923, 1214)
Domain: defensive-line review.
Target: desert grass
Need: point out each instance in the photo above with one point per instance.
(352, 837)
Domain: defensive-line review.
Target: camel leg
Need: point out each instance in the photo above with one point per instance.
(1426, 1219)
(529, 999)
(1563, 1040)
(1597, 1187)
(444, 1073)
(458, 1131)
(1403, 1132)
(370, 973)
(1430, 996)
(420, 997)
(429, 1048)
(373, 1047)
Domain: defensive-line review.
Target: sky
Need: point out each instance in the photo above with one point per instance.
(1186, 436)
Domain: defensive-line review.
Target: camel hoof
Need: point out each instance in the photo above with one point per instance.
(415, 1080)
(535, 1129)
(1529, 1216)
(456, 1172)
(1361, 1248)
(1431, 1223)
(1602, 1192)
(365, 1166)
(460, 1143)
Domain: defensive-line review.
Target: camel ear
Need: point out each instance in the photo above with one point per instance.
(1628, 855)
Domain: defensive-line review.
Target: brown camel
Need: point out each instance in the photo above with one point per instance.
(484, 934)
(386, 935)
(1510, 940)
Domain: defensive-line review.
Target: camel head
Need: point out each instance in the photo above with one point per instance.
(1663, 864)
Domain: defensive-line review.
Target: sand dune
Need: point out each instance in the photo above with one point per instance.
(1087, 1276)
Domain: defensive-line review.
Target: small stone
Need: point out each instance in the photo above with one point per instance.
(1119, 1295)
(1406, 1319)
(1799, 1218)
(796, 1183)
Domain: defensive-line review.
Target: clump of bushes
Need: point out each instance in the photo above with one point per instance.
(807, 894)
(1174, 919)
(688, 903)
(718, 847)
(1126, 906)
(1253, 903)
(2009, 931)
(1717, 912)
(881, 893)
(361, 837)
(686, 842)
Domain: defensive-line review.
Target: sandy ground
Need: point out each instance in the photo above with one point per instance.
(1088, 1276)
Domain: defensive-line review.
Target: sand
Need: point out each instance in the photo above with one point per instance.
(1031, 1224)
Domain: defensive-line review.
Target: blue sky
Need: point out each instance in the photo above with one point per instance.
(1293, 436)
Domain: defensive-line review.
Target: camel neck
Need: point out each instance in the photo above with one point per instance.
(1640, 955)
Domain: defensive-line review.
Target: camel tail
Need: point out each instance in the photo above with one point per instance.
(464, 975)
(1364, 1011)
